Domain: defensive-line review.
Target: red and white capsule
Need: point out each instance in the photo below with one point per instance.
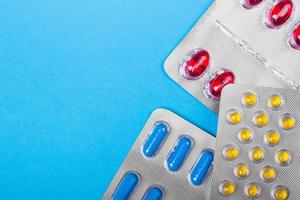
(279, 13)
(248, 4)
(214, 86)
(294, 37)
(195, 64)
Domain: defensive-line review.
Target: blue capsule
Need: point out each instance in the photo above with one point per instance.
(179, 153)
(126, 186)
(154, 193)
(155, 139)
(202, 167)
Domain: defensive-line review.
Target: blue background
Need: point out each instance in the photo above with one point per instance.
(78, 80)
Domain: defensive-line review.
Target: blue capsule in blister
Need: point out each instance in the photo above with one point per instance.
(179, 153)
(202, 167)
(155, 139)
(154, 193)
(126, 186)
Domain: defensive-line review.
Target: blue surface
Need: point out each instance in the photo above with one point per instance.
(78, 81)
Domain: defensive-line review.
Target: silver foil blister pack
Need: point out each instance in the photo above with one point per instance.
(257, 148)
(171, 159)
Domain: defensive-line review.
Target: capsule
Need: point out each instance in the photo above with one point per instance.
(279, 14)
(230, 152)
(283, 157)
(249, 99)
(126, 186)
(256, 154)
(248, 4)
(179, 153)
(245, 135)
(195, 64)
(234, 116)
(268, 174)
(272, 138)
(154, 193)
(287, 121)
(275, 102)
(260, 119)
(155, 139)
(202, 167)
(215, 85)
(280, 192)
(227, 188)
(241, 171)
(252, 190)
(294, 38)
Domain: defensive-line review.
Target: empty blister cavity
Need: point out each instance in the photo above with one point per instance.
(154, 193)
(156, 138)
(227, 188)
(126, 186)
(294, 37)
(202, 167)
(249, 4)
(217, 81)
(179, 153)
(252, 190)
(194, 64)
(280, 192)
(279, 13)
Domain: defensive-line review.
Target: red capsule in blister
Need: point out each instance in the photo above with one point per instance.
(195, 64)
(248, 4)
(294, 38)
(215, 85)
(279, 13)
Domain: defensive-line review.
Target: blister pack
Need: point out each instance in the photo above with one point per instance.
(211, 56)
(257, 146)
(171, 159)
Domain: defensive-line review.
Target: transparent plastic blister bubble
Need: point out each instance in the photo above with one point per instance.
(211, 57)
(171, 159)
(257, 146)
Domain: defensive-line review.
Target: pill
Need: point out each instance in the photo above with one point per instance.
(227, 188)
(279, 13)
(179, 153)
(268, 174)
(248, 4)
(195, 64)
(283, 157)
(216, 83)
(260, 119)
(287, 121)
(272, 138)
(252, 190)
(256, 154)
(230, 152)
(126, 186)
(155, 139)
(294, 38)
(202, 167)
(275, 102)
(234, 116)
(280, 192)
(154, 193)
(245, 135)
(249, 99)
(241, 171)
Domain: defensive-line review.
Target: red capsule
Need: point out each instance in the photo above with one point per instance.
(217, 82)
(248, 4)
(295, 37)
(195, 64)
(279, 14)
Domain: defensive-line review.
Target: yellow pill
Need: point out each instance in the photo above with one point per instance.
(268, 174)
(241, 171)
(230, 153)
(261, 119)
(249, 99)
(234, 117)
(272, 138)
(280, 193)
(252, 190)
(256, 154)
(245, 135)
(275, 102)
(287, 122)
(227, 188)
(283, 157)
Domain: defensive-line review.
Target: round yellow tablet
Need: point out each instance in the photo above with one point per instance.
(234, 116)
(283, 157)
(227, 188)
(241, 171)
(249, 99)
(245, 135)
(268, 174)
(275, 102)
(256, 154)
(272, 138)
(287, 121)
(280, 193)
(252, 190)
(260, 119)
(230, 152)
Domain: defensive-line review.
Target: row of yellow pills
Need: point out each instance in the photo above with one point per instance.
(253, 190)
(249, 99)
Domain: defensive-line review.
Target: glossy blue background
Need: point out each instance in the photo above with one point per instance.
(78, 81)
